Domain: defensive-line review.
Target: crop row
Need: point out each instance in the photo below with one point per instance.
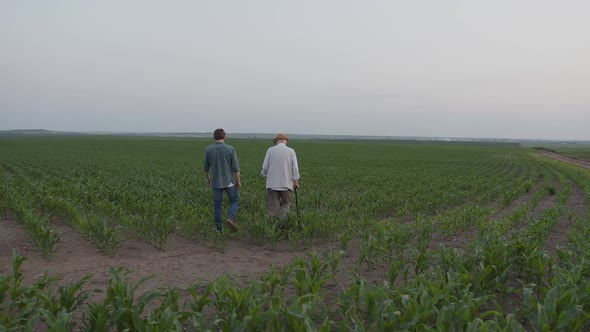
(149, 189)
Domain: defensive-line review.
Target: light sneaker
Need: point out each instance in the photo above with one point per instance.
(230, 224)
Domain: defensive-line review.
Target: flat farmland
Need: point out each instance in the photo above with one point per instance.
(114, 233)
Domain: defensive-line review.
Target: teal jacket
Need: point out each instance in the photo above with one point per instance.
(221, 161)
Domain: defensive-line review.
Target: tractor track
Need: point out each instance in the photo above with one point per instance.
(557, 156)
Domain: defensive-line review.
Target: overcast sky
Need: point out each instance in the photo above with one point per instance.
(502, 68)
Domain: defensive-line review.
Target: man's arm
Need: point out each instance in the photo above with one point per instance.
(238, 180)
(206, 166)
(295, 169)
(264, 170)
(208, 178)
(235, 163)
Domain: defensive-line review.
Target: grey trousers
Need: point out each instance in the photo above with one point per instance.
(278, 202)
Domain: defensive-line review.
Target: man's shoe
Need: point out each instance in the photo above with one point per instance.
(230, 224)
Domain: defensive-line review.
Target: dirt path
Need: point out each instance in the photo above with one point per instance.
(184, 261)
(557, 156)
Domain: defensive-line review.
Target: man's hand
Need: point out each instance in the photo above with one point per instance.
(295, 184)
(238, 179)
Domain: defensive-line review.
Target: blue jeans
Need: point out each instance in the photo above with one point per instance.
(232, 194)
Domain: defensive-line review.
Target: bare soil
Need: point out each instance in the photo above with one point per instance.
(557, 156)
(184, 261)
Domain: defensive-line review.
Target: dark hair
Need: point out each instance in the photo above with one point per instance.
(219, 134)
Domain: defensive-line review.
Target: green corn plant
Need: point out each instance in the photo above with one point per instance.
(243, 308)
(537, 264)
(370, 251)
(97, 317)
(300, 317)
(344, 238)
(560, 309)
(154, 229)
(332, 260)
(459, 314)
(393, 272)
(274, 233)
(69, 297)
(167, 316)
(42, 234)
(419, 255)
(20, 304)
(425, 229)
(198, 302)
(102, 234)
(256, 230)
(273, 285)
(395, 239)
(309, 277)
(295, 237)
(4, 204)
(120, 307)
(491, 264)
(58, 322)
(375, 309)
(420, 259)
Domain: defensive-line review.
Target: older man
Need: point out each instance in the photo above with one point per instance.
(282, 176)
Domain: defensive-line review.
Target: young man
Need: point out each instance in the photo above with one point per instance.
(282, 176)
(222, 171)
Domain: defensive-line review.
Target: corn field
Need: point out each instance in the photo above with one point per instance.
(430, 236)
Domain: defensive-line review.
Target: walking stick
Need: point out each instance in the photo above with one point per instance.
(296, 203)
